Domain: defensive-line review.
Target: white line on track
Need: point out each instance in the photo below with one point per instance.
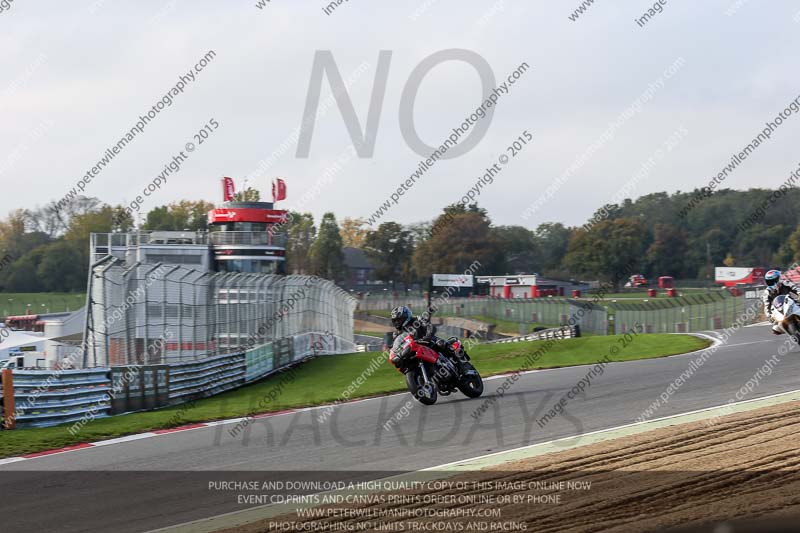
(11, 460)
(615, 428)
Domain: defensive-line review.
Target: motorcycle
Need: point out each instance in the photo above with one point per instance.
(429, 373)
(786, 313)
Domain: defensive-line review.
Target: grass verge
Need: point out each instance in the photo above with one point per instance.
(323, 380)
(19, 303)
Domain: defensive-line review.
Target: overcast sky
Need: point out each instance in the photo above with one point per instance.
(77, 75)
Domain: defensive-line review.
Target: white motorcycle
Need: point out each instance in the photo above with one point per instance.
(786, 313)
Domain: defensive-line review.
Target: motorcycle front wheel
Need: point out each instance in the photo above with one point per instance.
(791, 328)
(424, 393)
(471, 385)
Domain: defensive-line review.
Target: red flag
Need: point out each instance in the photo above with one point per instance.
(278, 190)
(228, 189)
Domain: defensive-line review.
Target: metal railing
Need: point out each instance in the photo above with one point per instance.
(102, 244)
(248, 237)
(49, 398)
(44, 398)
(564, 332)
(190, 381)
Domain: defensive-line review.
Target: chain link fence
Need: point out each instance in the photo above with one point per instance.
(149, 314)
(545, 312)
(714, 310)
(689, 313)
(389, 302)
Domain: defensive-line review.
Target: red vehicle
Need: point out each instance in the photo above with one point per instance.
(666, 282)
(429, 373)
(637, 280)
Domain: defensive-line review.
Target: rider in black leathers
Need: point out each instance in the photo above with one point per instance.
(421, 329)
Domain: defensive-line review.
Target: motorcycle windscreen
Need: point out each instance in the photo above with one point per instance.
(778, 302)
(399, 348)
(397, 345)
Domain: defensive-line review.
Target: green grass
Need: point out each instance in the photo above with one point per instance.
(323, 380)
(18, 303)
(509, 327)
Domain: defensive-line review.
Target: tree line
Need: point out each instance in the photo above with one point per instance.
(46, 249)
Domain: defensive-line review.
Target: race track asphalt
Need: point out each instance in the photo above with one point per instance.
(145, 484)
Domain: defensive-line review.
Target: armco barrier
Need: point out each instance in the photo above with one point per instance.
(190, 381)
(259, 362)
(368, 343)
(307, 344)
(136, 388)
(564, 332)
(47, 398)
(271, 357)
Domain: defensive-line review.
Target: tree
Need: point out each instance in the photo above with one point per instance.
(552, 239)
(389, 247)
(122, 219)
(419, 231)
(300, 233)
(729, 261)
(195, 213)
(54, 219)
(611, 250)
(326, 256)
(22, 272)
(667, 252)
(186, 215)
(99, 220)
(247, 195)
(96, 221)
(757, 245)
(460, 237)
(792, 247)
(353, 232)
(520, 249)
(61, 268)
(15, 239)
(159, 218)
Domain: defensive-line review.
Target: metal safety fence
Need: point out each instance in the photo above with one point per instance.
(545, 312)
(563, 332)
(688, 313)
(148, 314)
(40, 398)
(160, 335)
(713, 310)
(388, 302)
(48, 398)
(190, 381)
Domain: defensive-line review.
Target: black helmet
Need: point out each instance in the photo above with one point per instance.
(401, 317)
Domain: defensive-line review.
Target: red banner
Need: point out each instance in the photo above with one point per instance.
(278, 190)
(228, 189)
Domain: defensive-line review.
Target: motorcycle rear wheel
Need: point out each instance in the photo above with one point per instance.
(472, 385)
(424, 394)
